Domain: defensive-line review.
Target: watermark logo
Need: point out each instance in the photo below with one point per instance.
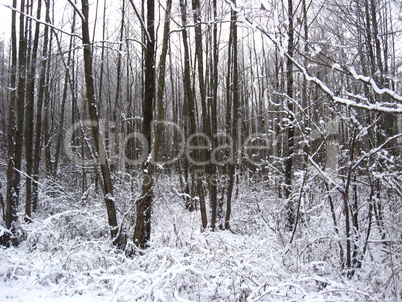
(223, 151)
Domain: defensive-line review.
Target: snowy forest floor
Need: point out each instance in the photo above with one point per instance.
(67, 256)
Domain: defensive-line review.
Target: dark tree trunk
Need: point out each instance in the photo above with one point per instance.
(39, 105)
(290, 129)
(213, 105)
(205, 118)
(190, 108)
(11, 197)
(20, 102)
(29, 119)
(235, 112)
(142, 231)
(63, 102)
(162, 76)
(93, 114)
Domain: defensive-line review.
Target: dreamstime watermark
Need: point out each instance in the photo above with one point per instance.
(121, 144)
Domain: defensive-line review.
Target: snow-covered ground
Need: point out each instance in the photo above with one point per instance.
(68, 257)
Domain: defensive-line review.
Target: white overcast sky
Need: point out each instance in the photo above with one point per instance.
(112, 12)
(5, 19)
(113, 15)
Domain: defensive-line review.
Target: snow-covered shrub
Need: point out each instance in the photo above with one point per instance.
(69, 253)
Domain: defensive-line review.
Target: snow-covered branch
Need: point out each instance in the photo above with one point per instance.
(380, 106)
(375, 150)
(373, 84)
(325, 175)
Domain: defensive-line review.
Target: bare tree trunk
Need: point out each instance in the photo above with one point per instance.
(3, 208)
(213, 104)
(93, 114)
(234, 88)
(142, 231)
(305, 96)
(47, 128)
(290, 130)
(350, 212)
(205, 117)
(29, 118)
(162, 75)
(388, 120)
(11, 197)
(119, 63)
(20, 100)
(63, 102)
(191, 107)
(334, 220)
(188, 106)
(39, 105)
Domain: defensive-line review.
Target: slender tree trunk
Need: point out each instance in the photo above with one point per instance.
(189, 122)
(119, 65)
(29, 118)
(388, 120)
(200, 63)
(213, 104)
(20, 100)
(234, 88)
(46, 122)
(204, 117)
(39, 105)
(334, 220)
(3, 209)
(350, 213)
(346, 211)
(369, 37)
(142, 231)
(93, 114)
(162, 75)
(11, 197)
(63, 102)
(305, 97)
(191, 108)
(290, 129)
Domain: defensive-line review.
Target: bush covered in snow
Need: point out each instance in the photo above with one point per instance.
(68, 254)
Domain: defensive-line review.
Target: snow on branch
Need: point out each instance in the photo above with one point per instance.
(325, 175)
(379, 106)
(375, 150)
(369, 80)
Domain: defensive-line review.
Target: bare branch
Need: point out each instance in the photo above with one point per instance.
(379, 107)
(77, 10)
(41, 22)
(141, 21)
(375, 150)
